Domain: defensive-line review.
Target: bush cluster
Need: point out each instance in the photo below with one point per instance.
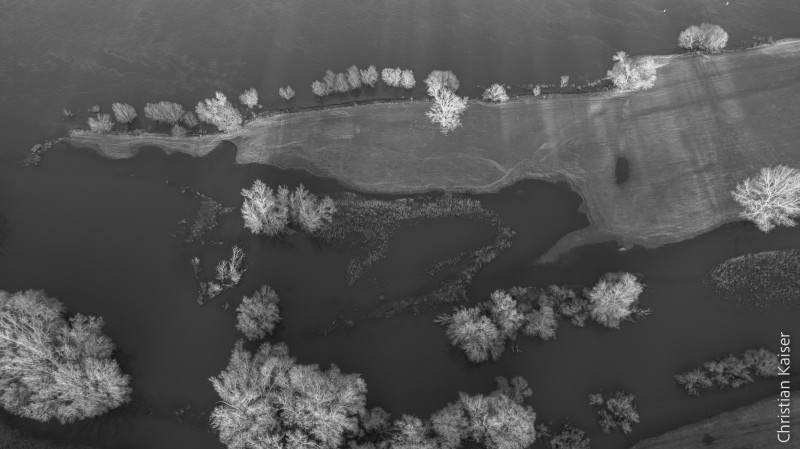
(615, 411)
(730, 371)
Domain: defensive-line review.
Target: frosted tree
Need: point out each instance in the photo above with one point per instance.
(310, 213)
(330, 80)
(570, 438)
(229, 272)
(258, 314)
(189, 119)
(164, 111)
(692, 380)
(617, 411)
(101, 123)
(474, 333)
(319, 88)
(407, 80)
(178, 130)
(564, 81)
(614, 298)
(706, 37)
(447, 107)
(218, 111)
(505, 314)
(369, 76)
(264, 211)
(287, 93)
(267, 400)
(51, 368)
(353, 77)
(770, 199)
(541, 323)
(445, 78)
(249, 98)
(124, 112)
(411, 432)
(632, 74)
(391, 77)
(496, 93)
(340, 83)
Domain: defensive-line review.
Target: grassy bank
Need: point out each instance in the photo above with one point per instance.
(749, 426)
(709, 122)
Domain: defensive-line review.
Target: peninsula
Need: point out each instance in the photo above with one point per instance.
(709, 122)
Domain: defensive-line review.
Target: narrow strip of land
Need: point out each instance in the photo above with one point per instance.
(709, 122)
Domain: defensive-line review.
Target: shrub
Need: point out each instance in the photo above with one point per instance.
(541, 323)
(505, 314)
(632, 74)
(411, 432)
(124, 112)
(189, 119)
(763, 362)
(258, 314)
(269, 400)
(706, 37)
(178, 130)
(772, 198)
(516, 389)
(730, 371)
(614, 298)
(496, 93)
(570, 438)
(249, 98)
(617, 411)
(164, 111)
(353, 77)
(218, 111)
(692, 380)
(407, 80)
(369, 76)
(51, 368)
(569, 304)
(537, 90)
(391, 76)
(287, 93)
(229, 272)
(447, 107)
(564, 81)
(101, 123)
(474, 333)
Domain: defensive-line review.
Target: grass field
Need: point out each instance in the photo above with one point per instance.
(709, 122)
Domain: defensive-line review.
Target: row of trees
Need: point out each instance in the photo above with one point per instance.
(731, 371)
(270, 213)
(352, 79)
(770, 199)
(481, 331)
(54, 368)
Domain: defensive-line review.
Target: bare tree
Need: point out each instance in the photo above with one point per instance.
(164, 112)
(632, 74)
(229, 272)
(706, 37)
(258, 315)
(263, 211)
(475, 333)
(218, 111)
(249, 98)
(51, 368)
(102, 123)
(447, 106)
(287, 93)
(496, 93)
(407, 80)
(772, 198)
(124, 112)
(369, 76)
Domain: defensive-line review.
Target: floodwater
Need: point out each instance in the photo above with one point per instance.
(98, 234)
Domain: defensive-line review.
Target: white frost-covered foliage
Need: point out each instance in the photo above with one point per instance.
(164, 112)
(267, 400)
(229, 272)
(391, 77)
(564, 81)
(340, 85)
(770, 199)
(189, 119)
(632, 74)
(496, 93)
(407, 80)
(475, 333)
(505, 313)
(447, 107)
(287, 93)
(249, 98)
(353, 77)
(706, 37)
(258, 315)
(614, 298)
(218, 111)
(319, 88)
(269, 213)
(101, 123)
(369, 76)
(123, 112)
(51, 368)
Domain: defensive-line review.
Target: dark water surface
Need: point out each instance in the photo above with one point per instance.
(98, 234)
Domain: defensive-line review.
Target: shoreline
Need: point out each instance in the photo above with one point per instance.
(710, 121)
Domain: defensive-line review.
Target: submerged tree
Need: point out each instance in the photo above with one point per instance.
(51, 368)
(101, 123)
(309, 212)
(706, 37)
(616, 411)
(264, 211)
(218, 111)
(258, 315)
(447, 107)
(124, 112)
(770, 199)
(229, 272)
(614, 298)
(268, 400)
(287, 93)
(189, 119)
(731, 371)
(632, 74)
(164, 111)
(570, 438)
(249, 98)
(692, 380)
(475, 333)
(496, 93)
(369, 76)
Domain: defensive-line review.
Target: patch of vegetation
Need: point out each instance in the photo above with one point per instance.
(205, 219)
(730, 371)
(760, 279)
(228, 275)
(34, 156)
(616, 411)
(570, 437)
